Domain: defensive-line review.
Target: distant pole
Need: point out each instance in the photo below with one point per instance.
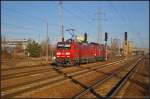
(47, 44)
(106, 37)
(98, 26)
(5, 41)
(39, 37)
(126, 44)
(119, 45)
(61, 21)
(39, 43)
(106, 51)
(52, 55)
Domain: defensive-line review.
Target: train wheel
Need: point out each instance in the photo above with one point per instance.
(79, 62)
(87, 61)
(76, 62)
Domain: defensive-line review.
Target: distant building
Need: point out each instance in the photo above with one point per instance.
(127, 47)
(14, 46)
(114, 47)
(139, 51)
(15, 42)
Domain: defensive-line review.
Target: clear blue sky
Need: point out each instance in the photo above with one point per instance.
(27, 19)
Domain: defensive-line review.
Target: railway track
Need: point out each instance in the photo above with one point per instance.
(8, 92)
(28, 70)
(114, 89)
(12, 64)
(23, 67)
(31, 66)
(49, 87)
(20, 73)
(26, 77)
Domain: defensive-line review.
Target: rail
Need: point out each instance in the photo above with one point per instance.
(113, 90)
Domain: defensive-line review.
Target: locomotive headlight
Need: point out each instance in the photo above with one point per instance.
(58, 53)
(67, 53)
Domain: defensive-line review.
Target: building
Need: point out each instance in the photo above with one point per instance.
(139, 51)
(14, 46)
(114, 47)
(127, 47)
(14, 43)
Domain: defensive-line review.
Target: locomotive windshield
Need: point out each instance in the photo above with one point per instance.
(63, 46)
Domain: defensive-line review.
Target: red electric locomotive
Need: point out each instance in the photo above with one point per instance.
(71, 52)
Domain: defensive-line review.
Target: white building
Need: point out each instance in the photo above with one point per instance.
(14, 42)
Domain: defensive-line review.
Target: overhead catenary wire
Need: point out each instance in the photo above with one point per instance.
(37, 19)
(77, 16)
(84, 12)
(80, 18)
(33, 19)
(61, 20)
(128, 21)
(125, 20)
(19, 27)
(120, 15)
(23, 14)
(133, 27)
